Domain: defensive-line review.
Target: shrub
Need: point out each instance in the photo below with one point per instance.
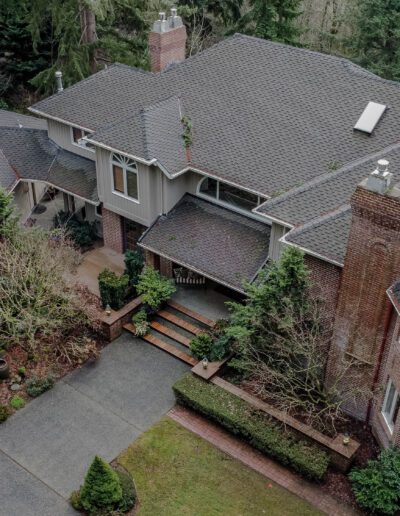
(75, 500)
(36, 386)
(4, 413)
(377, 486)
(154, 288)
(134, 262)
(255, 427)
(201, 346)
(139, 319)
(82, 232)
(113, 289)
(221, 347)
(102, 489)
(22, 371)
(128, 491)
(17, 402)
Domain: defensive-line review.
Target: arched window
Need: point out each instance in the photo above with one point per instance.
(125, 176)
(224, 193)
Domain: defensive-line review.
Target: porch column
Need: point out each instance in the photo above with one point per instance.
(112, 231)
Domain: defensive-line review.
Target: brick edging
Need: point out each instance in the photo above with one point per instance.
(255, 460)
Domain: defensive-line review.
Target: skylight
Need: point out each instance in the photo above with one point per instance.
(370, 117)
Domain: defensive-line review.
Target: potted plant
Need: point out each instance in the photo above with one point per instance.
(4, 369)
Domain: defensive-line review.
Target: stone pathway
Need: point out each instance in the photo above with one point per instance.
(259, 462)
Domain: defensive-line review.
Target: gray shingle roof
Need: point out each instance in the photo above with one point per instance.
(215, 241)
(12, 119)
(327, 192)
(32, 155)
(325, 236)
(266, 116)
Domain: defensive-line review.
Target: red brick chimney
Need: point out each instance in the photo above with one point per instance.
(167, 41)
(371, 265)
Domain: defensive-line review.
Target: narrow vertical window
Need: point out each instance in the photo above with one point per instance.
(390, 406)
(118, 179)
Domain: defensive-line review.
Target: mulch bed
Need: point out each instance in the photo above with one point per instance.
(44, 363)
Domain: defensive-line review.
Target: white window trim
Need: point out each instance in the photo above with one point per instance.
(123, 164)
(80, 145)
(388, 417)
(216, 200)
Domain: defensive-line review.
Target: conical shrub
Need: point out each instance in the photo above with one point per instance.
(101, 489)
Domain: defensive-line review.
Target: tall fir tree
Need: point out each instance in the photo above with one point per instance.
(376, 38)
(272, 19)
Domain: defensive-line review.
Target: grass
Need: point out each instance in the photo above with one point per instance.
(178, 473)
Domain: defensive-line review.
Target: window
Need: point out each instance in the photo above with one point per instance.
(77, 135)
(241, 200)
(209, 187)
(125, 176)
(390, 405)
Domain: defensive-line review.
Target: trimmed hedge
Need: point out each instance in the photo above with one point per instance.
(113, 289)
(260, 430)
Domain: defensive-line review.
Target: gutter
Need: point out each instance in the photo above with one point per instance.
(309, 252)
(153, 161)
(45, 115)
(69, 192)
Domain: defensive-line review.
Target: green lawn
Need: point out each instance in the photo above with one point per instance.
(178, 473)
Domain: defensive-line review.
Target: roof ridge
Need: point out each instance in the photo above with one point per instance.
(326, 176)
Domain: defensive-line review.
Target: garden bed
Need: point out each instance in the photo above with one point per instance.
(259, 429)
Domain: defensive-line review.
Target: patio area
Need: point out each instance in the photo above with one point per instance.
(93, 263)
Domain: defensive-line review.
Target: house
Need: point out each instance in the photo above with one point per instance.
(288, 147)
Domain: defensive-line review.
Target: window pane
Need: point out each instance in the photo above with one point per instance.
(238, 198)
(131, 184)
(389, 399)
(209, 187)
(118, 179)
(77, 134)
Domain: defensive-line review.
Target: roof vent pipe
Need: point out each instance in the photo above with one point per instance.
(380, 179)
(59, 82)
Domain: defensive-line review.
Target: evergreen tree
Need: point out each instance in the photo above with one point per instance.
(376, 40)
(272, 19)
(102, 489)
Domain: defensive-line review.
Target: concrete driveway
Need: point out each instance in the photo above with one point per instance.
(100, 409)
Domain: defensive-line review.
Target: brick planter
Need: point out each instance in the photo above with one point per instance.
(112, 324)
(341, 455)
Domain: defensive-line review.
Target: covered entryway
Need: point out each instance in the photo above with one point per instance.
(210, 241)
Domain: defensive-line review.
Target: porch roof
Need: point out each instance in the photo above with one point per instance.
(222, 245)
(29, 154)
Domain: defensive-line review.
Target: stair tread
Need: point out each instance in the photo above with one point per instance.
(191, 313)
(152, 339)
(191, 328)
(172, 334)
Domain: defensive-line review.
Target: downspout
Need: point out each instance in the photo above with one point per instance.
(380, 357)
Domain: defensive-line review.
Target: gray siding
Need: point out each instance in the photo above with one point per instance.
(275, 247)
(150, 201)
(175, 189)
(61, 135)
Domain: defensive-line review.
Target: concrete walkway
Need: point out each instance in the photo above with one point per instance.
(259, 462)
(46, 447)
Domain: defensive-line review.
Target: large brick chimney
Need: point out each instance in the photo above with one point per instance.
(167, 41)
(371, 265)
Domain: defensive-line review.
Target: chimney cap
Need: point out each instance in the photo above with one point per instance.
(379, 179)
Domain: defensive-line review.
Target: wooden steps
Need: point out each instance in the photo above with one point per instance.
(191, 313)
(172, 334)
(172, 350)
(191, 328)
